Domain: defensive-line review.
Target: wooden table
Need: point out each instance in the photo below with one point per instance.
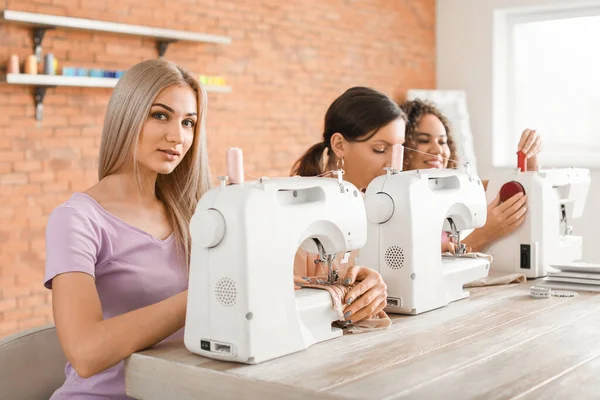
(498, 344)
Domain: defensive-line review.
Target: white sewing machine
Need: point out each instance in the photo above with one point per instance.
(554, 196)
(242, 305)
(406, 213)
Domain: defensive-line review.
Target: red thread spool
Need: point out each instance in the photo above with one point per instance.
(510, 189)
(521, 161)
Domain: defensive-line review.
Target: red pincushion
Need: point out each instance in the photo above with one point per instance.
(509, 189)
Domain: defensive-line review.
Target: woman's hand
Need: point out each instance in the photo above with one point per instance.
(502, 219)
(300, 281)
(368, 297)
(450, 247)
(531, 145)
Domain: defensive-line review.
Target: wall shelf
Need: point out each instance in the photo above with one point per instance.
(43, 82)
(43, 22)
(59, 80)
(81, 81)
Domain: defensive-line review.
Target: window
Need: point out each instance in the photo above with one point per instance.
(551, 73)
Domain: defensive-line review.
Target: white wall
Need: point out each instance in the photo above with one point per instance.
(465, 61)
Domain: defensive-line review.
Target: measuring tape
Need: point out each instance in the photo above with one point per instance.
(538, 292)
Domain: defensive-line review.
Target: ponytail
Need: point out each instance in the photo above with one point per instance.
(311, 162)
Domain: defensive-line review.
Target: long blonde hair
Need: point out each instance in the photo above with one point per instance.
(128, 109)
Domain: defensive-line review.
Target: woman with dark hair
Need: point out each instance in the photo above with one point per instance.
(361, 127)
(429, 133)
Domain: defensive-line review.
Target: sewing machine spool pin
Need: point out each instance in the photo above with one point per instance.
(223, 180)
(469, 171)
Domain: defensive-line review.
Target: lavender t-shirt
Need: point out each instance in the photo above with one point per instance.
(132, 269)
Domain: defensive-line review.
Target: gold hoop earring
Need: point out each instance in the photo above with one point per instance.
(338, 163)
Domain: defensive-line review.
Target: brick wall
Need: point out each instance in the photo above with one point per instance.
(287, 62)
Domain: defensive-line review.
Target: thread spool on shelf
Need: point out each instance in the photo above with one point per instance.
(49, 64)
(13, 65)
(31, 65)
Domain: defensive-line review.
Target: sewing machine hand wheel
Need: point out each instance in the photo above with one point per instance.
(380, 208)
(213, 228)
(510, 189)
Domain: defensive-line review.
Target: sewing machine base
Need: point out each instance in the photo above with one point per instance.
(316, 317)
(525, 257)
(457, 271)
(316, 314)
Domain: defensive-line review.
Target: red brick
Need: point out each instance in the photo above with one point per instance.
(18, 314)
(58, 165)
(8, 328)
(8, 304)
(30, 323)
(92, 131)
(23, 98)
(47, 176)
(5, 167)
(45, 309)
(55, 100)
(82, 119)
(27, 166)
(11, 156)
(4, 238)
(55, 187)
(31, 189)
(13, 178)
(71, 153)
(31, 301)
(38, 246)
(90, 151)
(37, 222)
(67, 132)
(30, 212)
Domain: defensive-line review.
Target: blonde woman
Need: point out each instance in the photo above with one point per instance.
(118, 253)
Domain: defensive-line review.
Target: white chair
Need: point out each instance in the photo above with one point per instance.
(32, 364)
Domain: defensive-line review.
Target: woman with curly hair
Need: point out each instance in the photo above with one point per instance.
(429, 132)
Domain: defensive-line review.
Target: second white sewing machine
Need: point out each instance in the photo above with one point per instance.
(545, 238)
(406, 213)
(242, 305)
